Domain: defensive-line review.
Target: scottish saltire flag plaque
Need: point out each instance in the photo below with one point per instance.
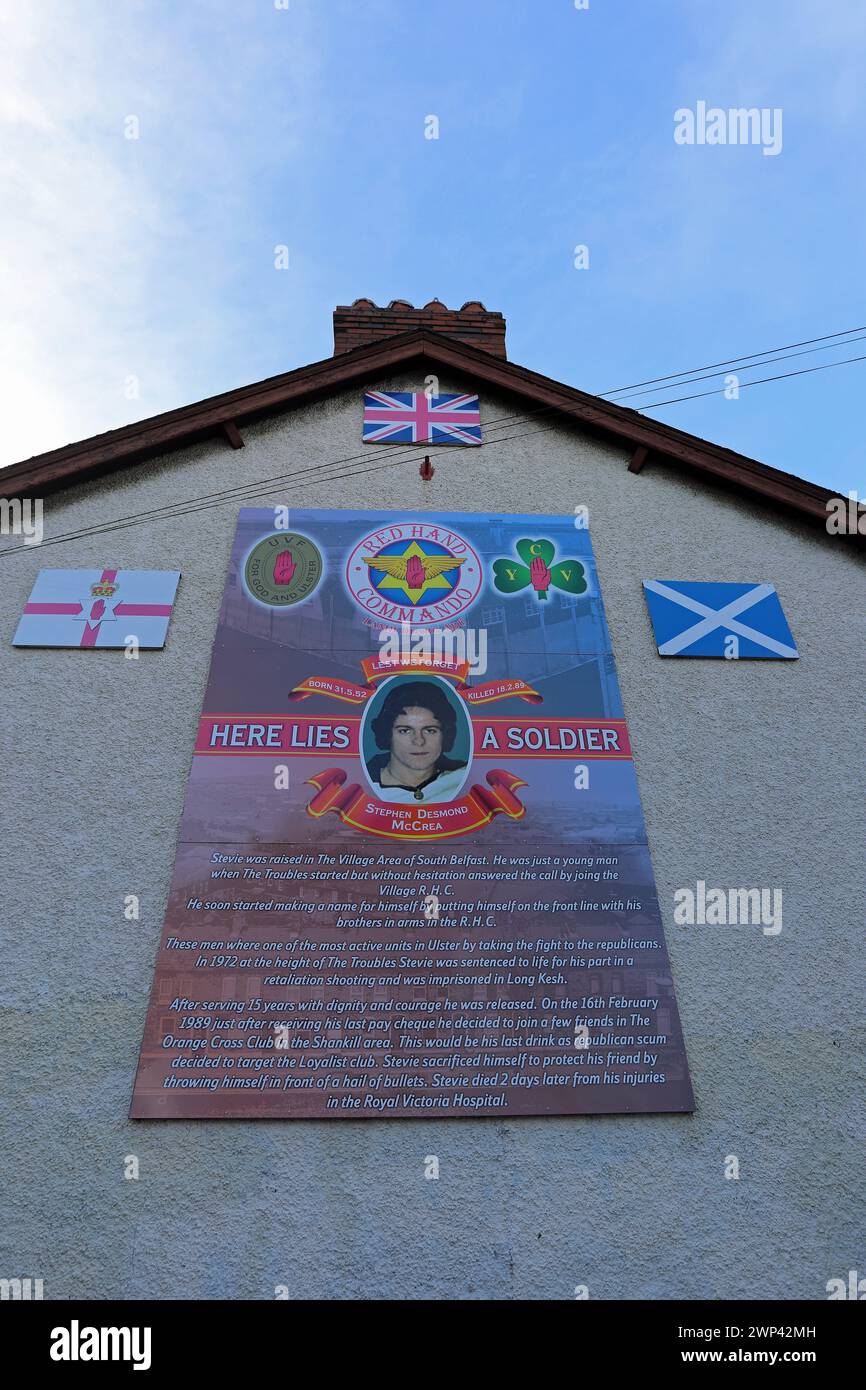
(695, 618)
(412, 877)
(98, 608)
(409, 417)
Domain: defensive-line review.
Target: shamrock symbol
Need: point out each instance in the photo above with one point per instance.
(509, 576)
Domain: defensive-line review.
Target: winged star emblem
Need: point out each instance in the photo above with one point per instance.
(413, 572)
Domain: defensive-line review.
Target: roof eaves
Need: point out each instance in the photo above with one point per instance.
(143, 439)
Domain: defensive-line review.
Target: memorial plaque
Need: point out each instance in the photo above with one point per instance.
(412, 877)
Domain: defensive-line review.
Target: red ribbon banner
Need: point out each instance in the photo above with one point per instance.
(359, 808)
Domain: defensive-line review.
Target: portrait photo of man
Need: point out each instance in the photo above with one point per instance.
(414, 731)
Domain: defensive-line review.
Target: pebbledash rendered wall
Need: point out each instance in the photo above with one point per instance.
(751, 775)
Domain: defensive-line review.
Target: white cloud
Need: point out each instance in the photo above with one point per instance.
(120, 257)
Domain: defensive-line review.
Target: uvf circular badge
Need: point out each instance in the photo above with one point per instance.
(282, 569)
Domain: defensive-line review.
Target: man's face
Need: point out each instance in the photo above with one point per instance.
(416, 739)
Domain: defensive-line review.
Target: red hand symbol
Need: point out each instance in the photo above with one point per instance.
(415, 573)
(284, 568)
(540, 576)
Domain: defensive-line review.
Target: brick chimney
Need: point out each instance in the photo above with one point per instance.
(364, 322)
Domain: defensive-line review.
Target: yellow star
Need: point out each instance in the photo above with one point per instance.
(392, 581)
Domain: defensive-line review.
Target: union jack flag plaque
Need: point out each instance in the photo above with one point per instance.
(413, 417)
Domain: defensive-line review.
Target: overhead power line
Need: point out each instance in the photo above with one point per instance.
(300, 478)
(730, 362)
(804, 371)
(406, 454)
(751, 366)
(263, 486)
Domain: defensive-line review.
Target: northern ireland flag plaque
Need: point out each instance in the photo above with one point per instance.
(98, 608)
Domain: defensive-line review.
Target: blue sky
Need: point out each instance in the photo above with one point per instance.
(153, 258)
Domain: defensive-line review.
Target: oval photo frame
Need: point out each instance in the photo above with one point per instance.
(461, 749)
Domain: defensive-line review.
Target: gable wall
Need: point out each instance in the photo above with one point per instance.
(751, 774)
